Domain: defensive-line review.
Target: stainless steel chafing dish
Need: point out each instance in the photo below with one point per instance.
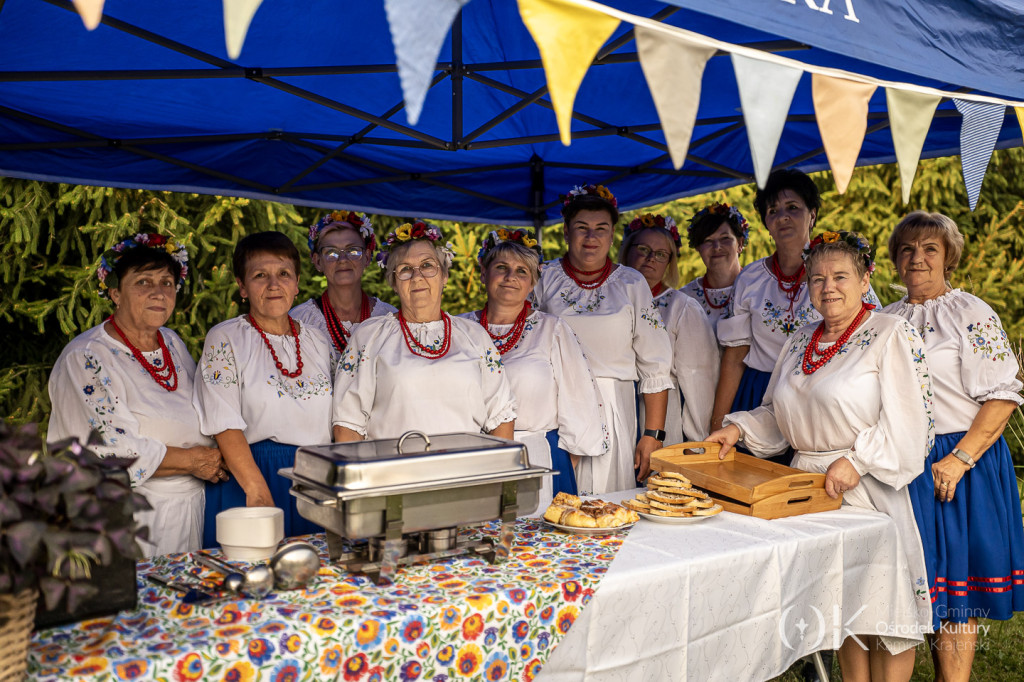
(390, 502)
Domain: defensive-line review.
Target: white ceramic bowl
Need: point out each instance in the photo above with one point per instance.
(250, 533)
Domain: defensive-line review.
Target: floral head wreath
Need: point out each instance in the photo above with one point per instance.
(360, 221)
(727, 212)
(859, 244)
(149, 240)
(593, 190)
(650, 221)
(521, 236)
(411, 232)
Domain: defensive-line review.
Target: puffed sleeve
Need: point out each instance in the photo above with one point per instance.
(695, 365)
(217, 394)
(894, 449)
(651, 344)
(499, 401)
(988, 367)
(734, 329)
(87, 395)
(759, 429)
(355, 378)
(581, 428)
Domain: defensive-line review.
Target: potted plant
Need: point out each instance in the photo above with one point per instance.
(63, 512)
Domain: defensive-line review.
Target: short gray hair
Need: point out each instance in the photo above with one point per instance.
(398, 250)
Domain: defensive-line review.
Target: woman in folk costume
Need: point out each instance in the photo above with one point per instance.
(651, 247)
(341, 245)
(718, 233)
(130, 379)
(851, 394)
(420, 368)
(264, 385)
(611, 309)
(559, 408)
(966, 502)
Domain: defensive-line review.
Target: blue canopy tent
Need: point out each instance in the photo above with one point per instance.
(312, 113)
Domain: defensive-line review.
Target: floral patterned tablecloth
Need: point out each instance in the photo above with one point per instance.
(457, 619)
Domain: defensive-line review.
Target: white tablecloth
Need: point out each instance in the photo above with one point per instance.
(727, 598)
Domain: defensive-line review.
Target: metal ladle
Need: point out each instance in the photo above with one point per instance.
(294, 565)
(255, 583)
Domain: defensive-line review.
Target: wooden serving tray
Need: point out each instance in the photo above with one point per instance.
(744, 484)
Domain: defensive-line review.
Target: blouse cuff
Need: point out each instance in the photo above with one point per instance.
(735, 331)
(727, 420)
(656, 384)
(860, 467)
(1002, 395)
(506, 415)
(361, 430)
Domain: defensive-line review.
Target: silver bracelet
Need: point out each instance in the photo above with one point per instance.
(963, 457)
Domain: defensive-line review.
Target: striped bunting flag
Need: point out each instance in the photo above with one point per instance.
(978, 134)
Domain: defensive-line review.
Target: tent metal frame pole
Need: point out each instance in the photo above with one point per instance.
(457, 69)
(537, 212)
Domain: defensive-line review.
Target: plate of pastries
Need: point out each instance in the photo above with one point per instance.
(671, 498)
(588, 517)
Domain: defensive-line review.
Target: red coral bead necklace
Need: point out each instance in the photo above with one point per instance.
(417, 348)
(810, 365)
(707, 299)
(339, 335)
(788, 284)
(575, 273)
(166, 376)
(273, 353)
(507, 341)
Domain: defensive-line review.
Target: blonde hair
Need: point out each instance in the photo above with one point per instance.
(671, 276)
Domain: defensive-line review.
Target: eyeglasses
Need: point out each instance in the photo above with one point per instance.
(428, 269)
(659, 256)
(713, 244)
(348, 253)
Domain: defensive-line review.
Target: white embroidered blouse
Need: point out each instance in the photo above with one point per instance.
(383, 390)
(617, 324)
(762, 317)
(969, 355)
(553, 385)
(239, 387)
(695, 359)
(309, 313)
(873, 396)
(715, 304)
(98, 384)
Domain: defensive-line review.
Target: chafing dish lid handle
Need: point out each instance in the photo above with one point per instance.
(407, 434)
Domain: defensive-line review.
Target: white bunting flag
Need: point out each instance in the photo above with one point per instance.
(238, 15)
(978, 134)
(673, 67)
(91, 12)
(910, 116)
(766, 91)
(418, 29)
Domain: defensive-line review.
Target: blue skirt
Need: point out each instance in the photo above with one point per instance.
(269, 457)
(974, 545)
(749, 395)
(564, 480)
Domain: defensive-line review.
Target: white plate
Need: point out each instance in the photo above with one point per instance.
(589, 531)
(676, 520)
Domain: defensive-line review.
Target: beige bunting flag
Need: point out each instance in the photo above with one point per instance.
(91, 12)
(1020, 117)
(673, 67)
(766, 91)
(568, 38)
(910, 116)
(238, 15)
(841, 107)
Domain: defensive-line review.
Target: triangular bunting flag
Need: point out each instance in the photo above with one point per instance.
(91, 12)
(238, 15)
(568, 38)
(910, 116)
(766, 91)
(841, 107)
(673, 67)
(978, 134)
(418, 29)
(1020, 117)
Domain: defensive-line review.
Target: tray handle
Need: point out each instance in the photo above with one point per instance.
(408, 434)
(678, 452)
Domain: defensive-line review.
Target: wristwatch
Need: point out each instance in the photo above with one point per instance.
(656, 434)
(963, 457)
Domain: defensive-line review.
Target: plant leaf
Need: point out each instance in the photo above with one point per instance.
(23, 540)
(78, 592)
(53, 590)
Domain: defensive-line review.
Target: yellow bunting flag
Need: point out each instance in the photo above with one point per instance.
(238, 15)
(568, 38)
(841, 107)
(673, 67)
(910, 116)
(91, 12)
(1020, 117)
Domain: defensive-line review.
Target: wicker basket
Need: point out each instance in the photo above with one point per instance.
(17, 613)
